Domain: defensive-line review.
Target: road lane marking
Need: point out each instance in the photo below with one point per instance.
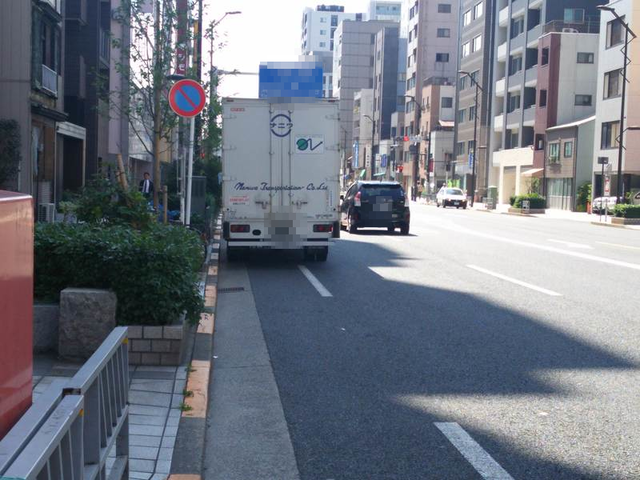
(571, 244)
(314, 281)
(517, 282)
(619, 245)
(484, 463)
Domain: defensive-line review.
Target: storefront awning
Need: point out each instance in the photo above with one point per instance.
(381, 174)
(533, 172)
(362, 173)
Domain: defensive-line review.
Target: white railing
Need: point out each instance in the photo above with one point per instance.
(49, 80)
(69, 432)
(55, 4)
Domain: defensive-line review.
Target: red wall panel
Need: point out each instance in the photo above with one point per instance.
(16, 307)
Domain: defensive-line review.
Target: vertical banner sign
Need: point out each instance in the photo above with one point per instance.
(383, 160)
(356, 153)
(182, 8)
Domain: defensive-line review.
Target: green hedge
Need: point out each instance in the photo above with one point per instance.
(152, 272)
(535, 201)
(627, 211)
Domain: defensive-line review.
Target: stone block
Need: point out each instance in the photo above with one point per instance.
(170, 359)
(87, 317)
(176, 346)
(150, 359)
(152, 332)
(46, 320)
(173, 332)
(134, 358)
(161, 346)
(135, 331)
(140, 345)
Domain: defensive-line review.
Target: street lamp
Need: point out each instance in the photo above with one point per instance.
(373, 134)
(628, 31)
(475, 133)
(419, 111)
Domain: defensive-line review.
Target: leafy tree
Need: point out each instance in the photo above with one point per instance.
(9, 150)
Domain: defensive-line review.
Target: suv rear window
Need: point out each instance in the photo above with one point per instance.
(394, 191)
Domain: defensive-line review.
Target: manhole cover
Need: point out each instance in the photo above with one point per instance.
(231, 289)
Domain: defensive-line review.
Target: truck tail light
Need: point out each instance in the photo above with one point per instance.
(323, 228)
(239, 228)
(357, 200)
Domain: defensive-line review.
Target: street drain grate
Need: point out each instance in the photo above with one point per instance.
(231, 289)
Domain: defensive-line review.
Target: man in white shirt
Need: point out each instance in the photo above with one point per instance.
(146, 186)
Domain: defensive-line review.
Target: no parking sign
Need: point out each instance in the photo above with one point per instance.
(187, 98)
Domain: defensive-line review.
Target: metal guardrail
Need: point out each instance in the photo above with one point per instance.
(69, 432)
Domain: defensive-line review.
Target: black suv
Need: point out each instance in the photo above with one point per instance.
(375, 204)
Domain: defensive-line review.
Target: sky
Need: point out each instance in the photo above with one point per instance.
(267, 30)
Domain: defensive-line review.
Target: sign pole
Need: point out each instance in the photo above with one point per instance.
(192, 130)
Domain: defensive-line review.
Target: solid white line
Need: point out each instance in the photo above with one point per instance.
(571, 244)
(619, 245)
(484, 463)
(314, 281)
(513, 280)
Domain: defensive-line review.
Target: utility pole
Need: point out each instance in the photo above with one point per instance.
(157, 114)
(416, 161)
(475, 135)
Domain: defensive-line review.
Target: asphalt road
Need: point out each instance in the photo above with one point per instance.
(480, 346)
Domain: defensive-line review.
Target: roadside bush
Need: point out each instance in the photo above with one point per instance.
(627, 211)
(153, 272)
(512, 200)
(583, 196)
(535, 201)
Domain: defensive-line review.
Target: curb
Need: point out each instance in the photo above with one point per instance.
(627, 227)
(188, 453)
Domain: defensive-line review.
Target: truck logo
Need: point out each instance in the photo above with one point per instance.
(307, 144)
(281, 125)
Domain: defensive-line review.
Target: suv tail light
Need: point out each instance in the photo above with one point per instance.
(357, 199)
(323, 228)
(239, 228)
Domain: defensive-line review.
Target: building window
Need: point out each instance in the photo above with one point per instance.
(477, 43)
(471, 146)
(478, 10)
(461, 116)
(610, 132)
(460, 148)
(323, 19)
(517, 27)
(447, 102)
(554, 152)
(472, 112)
(402, 77)
(583, 100)
(323, 32)
(613, 83)
(568, 149)
(334, 20)
(466, 18)
(475, 75)
(331, 44)
(615, 33)
(574, 15)
(466, 49)
(323, 44)
(444, 33)
(543, 98)
(444, 8)
(539, 142)
(462, 83)
(442, 57)
(515, 65)
(544, 56)
(585, 57)
(513, 102)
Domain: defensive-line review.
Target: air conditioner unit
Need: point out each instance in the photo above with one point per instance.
(47, 212)
(569, 30)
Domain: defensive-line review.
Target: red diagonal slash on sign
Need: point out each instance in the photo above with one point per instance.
(187, 97)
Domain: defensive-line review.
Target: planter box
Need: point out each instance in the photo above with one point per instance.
(625, 221)
(46, 321)
(531, 211)
(151, 345)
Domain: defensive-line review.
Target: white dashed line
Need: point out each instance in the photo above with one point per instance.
(619, 245)
(314, 281)
(571, 244)
(517, 282)
(484, 463)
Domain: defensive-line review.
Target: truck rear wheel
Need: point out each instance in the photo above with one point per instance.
(316, 254)
(233, 253)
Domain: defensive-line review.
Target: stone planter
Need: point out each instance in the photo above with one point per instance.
(46, 321)
(151, 345)
(531, 211)
(625, 221)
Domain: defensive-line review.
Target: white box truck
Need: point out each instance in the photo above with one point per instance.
(280, 175)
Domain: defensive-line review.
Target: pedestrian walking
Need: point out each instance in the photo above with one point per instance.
(146, 185)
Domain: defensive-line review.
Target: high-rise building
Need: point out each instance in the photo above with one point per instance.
(518, 27)
(432, 32)
(363, 131)
(475, 54)
(609, 98)
(384, 10)
(353, 66)
(318, 31)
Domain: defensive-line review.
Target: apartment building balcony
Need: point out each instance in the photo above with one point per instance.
(535, 4)
(105, 46)
(517, 44)
(500, 87)
(531, 76)
(529, 116)
(533, 36)
(498, 123)
(503, 17)
(49, 80)
(514, 118)
(518, 8)
(502, 52)
(516, 81)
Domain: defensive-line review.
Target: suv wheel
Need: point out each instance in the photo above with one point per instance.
(404, 229)
(350, 225)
